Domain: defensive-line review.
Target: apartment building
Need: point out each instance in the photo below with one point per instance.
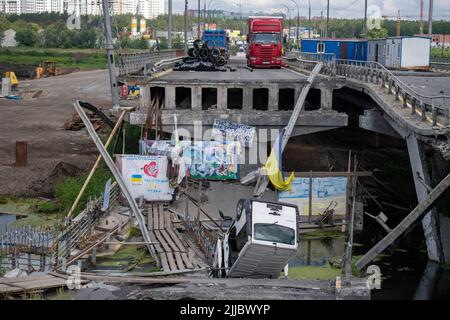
(147, 8)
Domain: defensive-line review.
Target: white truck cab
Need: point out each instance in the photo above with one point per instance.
(260, 240)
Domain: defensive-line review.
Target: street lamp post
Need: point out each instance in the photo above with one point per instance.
(185, 26)
(289, 32)
(298, 23)
(198, 20)
(309, 20)
(169, 33)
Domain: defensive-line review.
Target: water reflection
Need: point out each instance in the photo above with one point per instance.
(6, 220)
(317, 252)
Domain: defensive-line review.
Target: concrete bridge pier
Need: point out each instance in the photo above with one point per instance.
(378, 121)
(430, 222)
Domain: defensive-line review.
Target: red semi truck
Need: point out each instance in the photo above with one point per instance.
(265, 42)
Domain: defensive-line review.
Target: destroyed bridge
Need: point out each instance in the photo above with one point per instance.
(403, 105)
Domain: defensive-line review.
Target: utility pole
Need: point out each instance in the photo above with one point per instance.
(309, 20)
(110, 54)
(169, 33)
(289, 32)
(298, 23)
(365, 20)
(185, 26)
(198, 20)
(430, 19)
(328, 18)
(421, 16)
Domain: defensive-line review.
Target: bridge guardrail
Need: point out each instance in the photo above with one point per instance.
(308, 60)
(434, 108)
(140, 62)
(441, 60)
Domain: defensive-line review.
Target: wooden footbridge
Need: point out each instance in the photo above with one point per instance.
(169, 245)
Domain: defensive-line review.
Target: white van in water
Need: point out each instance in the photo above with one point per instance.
(259, 242)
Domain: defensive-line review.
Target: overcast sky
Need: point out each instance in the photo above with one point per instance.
(338, 8)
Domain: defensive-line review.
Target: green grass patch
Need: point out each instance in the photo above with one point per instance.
(67, 191)
(134, 232)
(76, 58)
(326, 272)
(127, 258)
(48, 207)
(3, 199)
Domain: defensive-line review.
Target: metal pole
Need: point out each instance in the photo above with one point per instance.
(309, 21)
(110, 54)
(185, 26)
(328, 18)
(365, 20)
(97, 163)
(430, 19)
(298, 22)
(198, 20)
(169, 32)
(289, 32)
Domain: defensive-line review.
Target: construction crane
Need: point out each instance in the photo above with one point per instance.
(399, 20)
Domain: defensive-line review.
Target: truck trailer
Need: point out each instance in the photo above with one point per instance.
(260, 241)
(265, 42)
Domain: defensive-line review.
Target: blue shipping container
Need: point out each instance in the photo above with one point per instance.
(344, 49)
(218, 38)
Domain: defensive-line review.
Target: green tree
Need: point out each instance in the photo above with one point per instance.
(27, 37)
(377, 33)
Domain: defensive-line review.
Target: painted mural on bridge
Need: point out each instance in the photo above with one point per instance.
(213, 160)
(325, 191)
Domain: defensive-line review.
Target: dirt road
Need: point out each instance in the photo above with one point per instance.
(53, 152)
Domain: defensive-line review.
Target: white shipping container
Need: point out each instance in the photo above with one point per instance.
(406, 53)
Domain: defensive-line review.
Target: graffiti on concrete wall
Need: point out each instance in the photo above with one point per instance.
(224, 130)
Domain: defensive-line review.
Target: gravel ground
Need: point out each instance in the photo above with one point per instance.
(53, 153)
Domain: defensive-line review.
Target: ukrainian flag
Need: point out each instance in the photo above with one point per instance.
(273, 167)
(136, 178)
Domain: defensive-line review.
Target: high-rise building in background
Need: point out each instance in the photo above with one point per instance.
(147, 8)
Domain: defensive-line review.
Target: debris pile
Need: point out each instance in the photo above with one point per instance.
(203, 57)
(76, 123)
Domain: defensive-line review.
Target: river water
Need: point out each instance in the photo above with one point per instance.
(406, 275)
(6, 220)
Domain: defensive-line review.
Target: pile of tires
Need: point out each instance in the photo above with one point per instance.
(203, 57)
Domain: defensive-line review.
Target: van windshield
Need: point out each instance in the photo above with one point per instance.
(266, 38)
(274, 233)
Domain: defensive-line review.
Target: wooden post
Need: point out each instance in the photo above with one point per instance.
(310, 197)
(187, 199)
(97, 163)
(94, 256)
(199, 201)
(347, 194)
(21, 153)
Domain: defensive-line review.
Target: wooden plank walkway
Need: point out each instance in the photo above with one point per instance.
(170, 248)
(33, 283)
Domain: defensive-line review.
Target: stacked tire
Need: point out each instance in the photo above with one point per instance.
(204, 56)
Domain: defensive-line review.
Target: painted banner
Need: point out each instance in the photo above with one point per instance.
(325, 191)
(160, 147)
(224, 130)
(213, 160)
(146, 176)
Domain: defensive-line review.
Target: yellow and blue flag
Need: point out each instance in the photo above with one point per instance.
(273, 167)
(136, 178)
